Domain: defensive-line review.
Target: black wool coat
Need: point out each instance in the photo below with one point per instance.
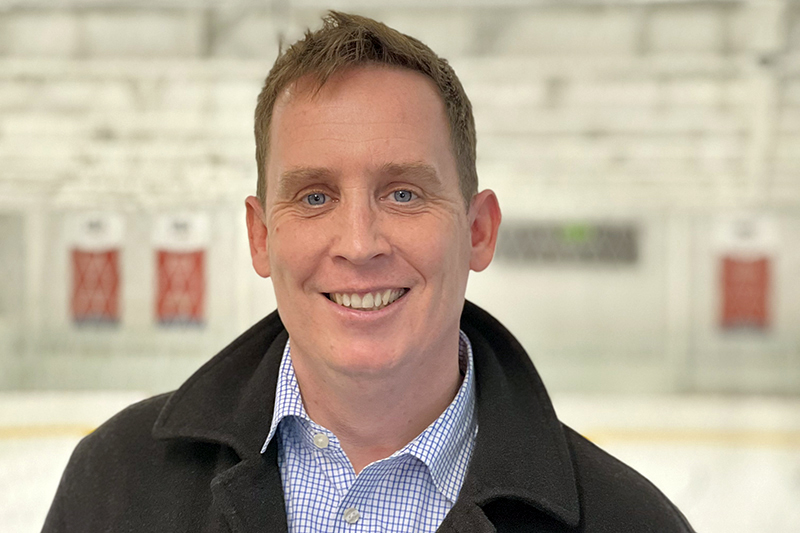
(190, 461)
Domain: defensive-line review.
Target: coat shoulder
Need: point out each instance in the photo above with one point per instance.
(129, 429)
(121, 474)
(611, 492)
(100, 454)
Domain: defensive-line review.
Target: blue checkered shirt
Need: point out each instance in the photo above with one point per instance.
(411, 490)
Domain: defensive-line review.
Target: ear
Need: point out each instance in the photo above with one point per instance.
(257, 234)
(484, 216)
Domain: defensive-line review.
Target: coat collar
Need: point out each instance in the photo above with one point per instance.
(520, 453)
(229, 399)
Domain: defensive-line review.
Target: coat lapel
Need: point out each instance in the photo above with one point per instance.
(250, 495)
(229, 401)
(466, 517)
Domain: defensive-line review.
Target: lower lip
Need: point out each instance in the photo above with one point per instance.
(366, 315)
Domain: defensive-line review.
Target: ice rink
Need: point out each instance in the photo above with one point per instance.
(732, 464)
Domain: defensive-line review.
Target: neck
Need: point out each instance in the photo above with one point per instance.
(374, 415)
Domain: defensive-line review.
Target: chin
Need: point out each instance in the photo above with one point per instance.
(368, 359)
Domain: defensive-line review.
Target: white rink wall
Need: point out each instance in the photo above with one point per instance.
(669, 117)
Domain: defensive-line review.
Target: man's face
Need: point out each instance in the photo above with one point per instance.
(364, 233)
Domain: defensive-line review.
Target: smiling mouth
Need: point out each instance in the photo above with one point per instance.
(371, 301)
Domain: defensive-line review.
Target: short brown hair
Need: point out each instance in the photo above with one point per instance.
(349, 40)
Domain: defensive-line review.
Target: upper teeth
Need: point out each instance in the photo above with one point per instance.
(370, 300)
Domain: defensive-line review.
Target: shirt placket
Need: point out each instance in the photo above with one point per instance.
(348, 513)
(358, 509)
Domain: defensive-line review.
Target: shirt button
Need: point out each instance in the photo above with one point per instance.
(321, 441)
(351, 515)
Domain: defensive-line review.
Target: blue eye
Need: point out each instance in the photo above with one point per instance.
(316, 198)
(403, 196)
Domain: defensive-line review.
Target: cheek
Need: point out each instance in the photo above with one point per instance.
(292, 249)
(436, 250)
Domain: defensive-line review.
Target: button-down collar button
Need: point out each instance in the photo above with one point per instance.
(351, 515)
(321, 442)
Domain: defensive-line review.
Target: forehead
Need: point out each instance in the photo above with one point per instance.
(392, 115)
(364, 84)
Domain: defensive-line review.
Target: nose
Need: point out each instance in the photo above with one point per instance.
(359, 232)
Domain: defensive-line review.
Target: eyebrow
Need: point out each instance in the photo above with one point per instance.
(295, 179)
(417, 171)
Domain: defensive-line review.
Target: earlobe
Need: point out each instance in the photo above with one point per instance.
(257, 235)
(485, 217)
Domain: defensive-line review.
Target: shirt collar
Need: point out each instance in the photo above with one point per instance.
(439, 446)
(452, 434)
(288, 401)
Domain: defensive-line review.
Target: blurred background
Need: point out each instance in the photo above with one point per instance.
(646, 154)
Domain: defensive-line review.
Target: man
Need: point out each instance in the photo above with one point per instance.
(375, 399)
